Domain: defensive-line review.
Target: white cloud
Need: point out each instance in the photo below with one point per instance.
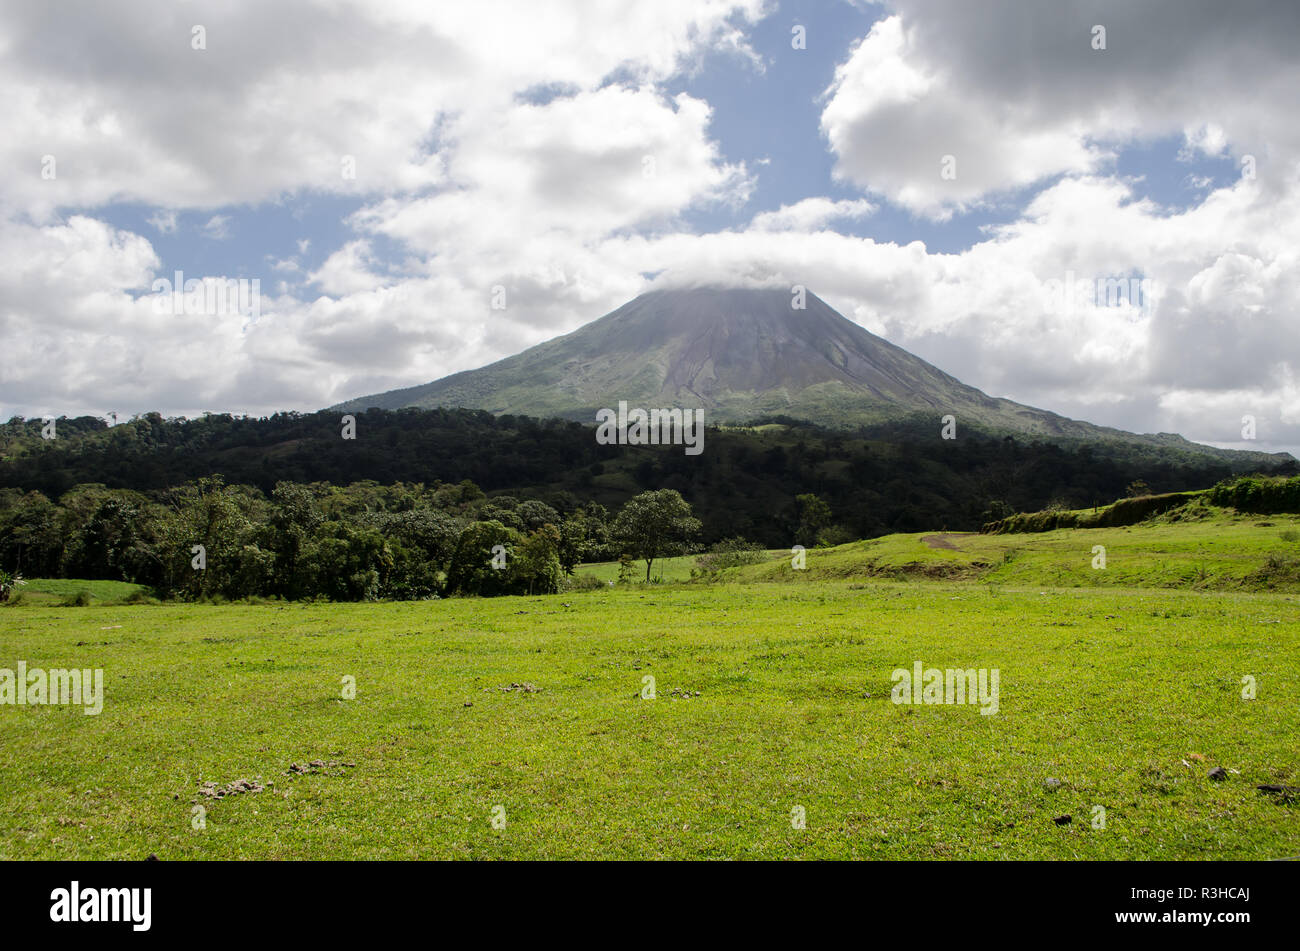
(483, 187)
(811, 214)
(944, 152)
(163, 221)
(284, 92)
(478, 183)
(347, 271)
(217, 228)
(1015, 93)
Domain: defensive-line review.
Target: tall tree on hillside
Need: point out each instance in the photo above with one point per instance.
(656, 524)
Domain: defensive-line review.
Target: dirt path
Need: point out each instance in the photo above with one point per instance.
(945, 540)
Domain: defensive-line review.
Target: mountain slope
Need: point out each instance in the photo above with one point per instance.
(741, 354)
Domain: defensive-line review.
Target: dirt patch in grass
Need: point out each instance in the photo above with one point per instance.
(520, 688)
(945, 540)
(316, 766)
(930, 571)
(210, 790)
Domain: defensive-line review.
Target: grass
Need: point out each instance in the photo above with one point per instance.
(1127, 696)
(1221, 551)
(52, 591)
(664, 569)
(1107, 691)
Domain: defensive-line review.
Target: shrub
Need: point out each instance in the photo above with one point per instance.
(1258, 494)
(835, 535)
(583, 582)
(730, 553)
(1279, 569)
(7, 584)
(1127, 511)
(79, 600)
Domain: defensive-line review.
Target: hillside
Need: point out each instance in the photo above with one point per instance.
(1196, 546)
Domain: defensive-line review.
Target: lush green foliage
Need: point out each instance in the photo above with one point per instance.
(208, 540)
(655, 525)
(8, 582)
(728, 553)
(1256, 494)
(1245, 494)
(891, 477)
(1127, 511)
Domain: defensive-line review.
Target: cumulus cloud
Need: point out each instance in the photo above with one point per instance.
(283, 95)
(422, 111)
(1014, 92)
(811, 214)
(516, 179)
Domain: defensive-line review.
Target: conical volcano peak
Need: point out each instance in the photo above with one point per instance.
(741, 353)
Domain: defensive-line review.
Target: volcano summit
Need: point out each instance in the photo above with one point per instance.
(741, 354)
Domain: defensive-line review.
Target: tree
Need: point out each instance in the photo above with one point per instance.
(474, 565)
(997, 511)
(534, 515)
(1138, 488)
(536, 565)
(656, 524)
(348, 564)
(31, 536)
(814, 517)
(294, 521)
(573, 542)
(583, 534)
(428, 531)
(223, 523)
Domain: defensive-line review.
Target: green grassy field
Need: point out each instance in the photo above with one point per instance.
(1223, 551)
(53, 591)
(664, 569)
(1120, 687)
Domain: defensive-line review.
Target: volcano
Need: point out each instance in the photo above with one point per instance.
(742, 354)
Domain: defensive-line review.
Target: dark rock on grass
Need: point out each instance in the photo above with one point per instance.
(1286, 792)
(315, 766)
(1063, 820)
(521, 688)
(1218, 774)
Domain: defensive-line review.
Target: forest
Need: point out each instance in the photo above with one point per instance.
(424, 503)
